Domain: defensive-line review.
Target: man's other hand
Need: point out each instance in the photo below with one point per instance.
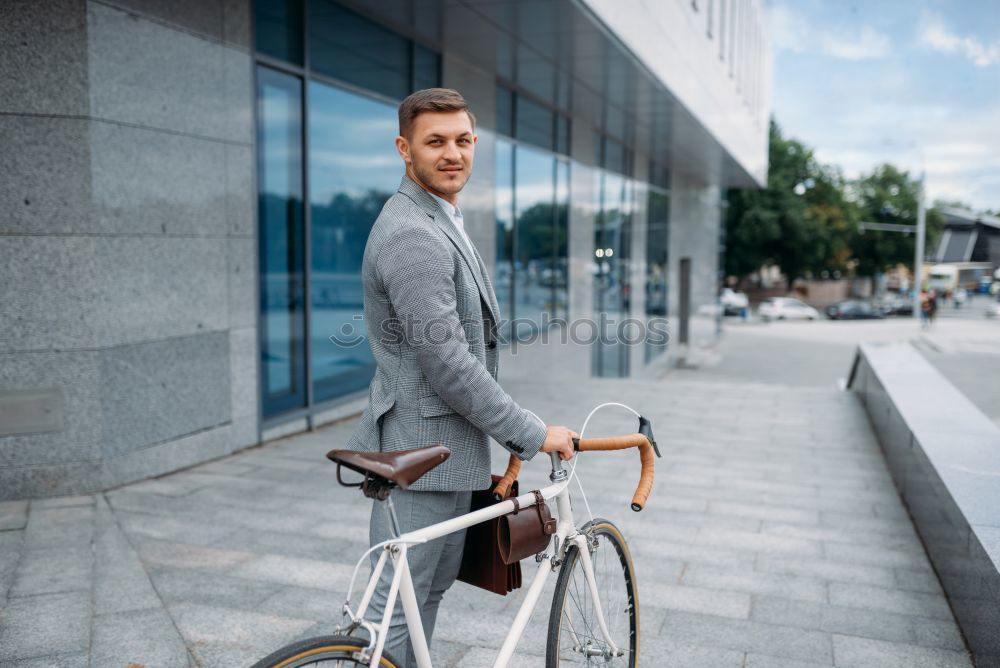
(559, 439)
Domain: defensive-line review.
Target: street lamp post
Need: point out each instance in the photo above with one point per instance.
(918, 253)
(918, 256)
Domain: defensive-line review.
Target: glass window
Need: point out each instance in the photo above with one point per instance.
(615, 119)
(535, 272)
(426, 68)
(659, 175)
(504, 272)
(535, 123)
(615, 156)
(560, 263)
(351, 48)
(612, 288)
(656, 264)
(278, 26)
(505, 111)
(427, 18)
(282, 247)
(562, 134)
(353, 170)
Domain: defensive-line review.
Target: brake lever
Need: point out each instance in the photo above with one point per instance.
(646, 429)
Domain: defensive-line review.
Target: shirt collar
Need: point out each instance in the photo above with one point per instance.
(453, 212)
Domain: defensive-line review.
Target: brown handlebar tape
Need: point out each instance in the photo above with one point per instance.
(509, 476)
(645, 457)
(642, 491)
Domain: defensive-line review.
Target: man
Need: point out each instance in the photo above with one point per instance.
(432, 320)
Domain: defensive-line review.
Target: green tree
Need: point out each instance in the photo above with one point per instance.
(802, 221)
(889, 195)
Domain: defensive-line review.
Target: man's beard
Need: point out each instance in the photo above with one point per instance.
(429, 178)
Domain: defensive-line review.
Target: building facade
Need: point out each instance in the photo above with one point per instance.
(970, 244)
(188, 188)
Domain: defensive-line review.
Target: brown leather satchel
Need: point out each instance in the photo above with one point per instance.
(482, 565)
(524, 533)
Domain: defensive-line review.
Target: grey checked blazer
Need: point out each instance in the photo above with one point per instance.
(431, 316)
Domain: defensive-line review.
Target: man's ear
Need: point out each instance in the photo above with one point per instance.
(403, 147)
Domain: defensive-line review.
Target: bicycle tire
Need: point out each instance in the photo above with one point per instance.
(615, 577)
(334, 650)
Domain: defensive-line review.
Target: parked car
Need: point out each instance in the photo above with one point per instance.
(853, 309)
(733, 302)
(786, 308)
(895, 305)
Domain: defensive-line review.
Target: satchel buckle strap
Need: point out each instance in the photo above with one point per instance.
(548, 525)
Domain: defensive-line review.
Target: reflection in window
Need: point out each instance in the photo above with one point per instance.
(505, 111)
(535, 269)
(504, 273)
(353, 49)
(282, 248)
(278, 27)
(612, 251)
(560, 263)
(534, 123)
(532, 234)
(656, 263)
(426, 68)
(353, 170)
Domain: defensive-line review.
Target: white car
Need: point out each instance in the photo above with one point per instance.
(786, 308)
(993, 310)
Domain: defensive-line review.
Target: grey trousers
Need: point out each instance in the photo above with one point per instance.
(433, 566)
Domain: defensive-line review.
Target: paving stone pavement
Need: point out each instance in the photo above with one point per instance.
(774, 537)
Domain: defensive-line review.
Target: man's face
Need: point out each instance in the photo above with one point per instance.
(439, 151)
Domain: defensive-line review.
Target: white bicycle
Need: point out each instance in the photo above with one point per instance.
(594, 619)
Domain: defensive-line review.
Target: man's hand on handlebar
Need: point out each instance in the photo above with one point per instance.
(559, 439)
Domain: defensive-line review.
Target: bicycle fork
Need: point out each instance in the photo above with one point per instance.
(582, 546)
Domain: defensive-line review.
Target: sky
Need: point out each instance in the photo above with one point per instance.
(911, 82)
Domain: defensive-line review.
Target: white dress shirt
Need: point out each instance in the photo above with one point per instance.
(455, 216)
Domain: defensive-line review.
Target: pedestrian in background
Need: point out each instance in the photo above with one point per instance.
(960, 296)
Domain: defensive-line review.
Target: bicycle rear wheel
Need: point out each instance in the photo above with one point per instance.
(322, 652)
(575, 636)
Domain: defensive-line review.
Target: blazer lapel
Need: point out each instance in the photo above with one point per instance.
(494, 306)
(431, 208)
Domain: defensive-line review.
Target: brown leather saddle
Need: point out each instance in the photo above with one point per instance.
(385, 470)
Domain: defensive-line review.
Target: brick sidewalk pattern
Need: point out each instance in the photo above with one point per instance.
(774, 537)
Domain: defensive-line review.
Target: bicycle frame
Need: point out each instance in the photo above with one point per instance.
(402, 582)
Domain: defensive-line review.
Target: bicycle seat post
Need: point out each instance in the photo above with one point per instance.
(558, 472)
(390, 510)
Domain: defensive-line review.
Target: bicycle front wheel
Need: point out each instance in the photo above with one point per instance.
(575, 636)
(322, 652)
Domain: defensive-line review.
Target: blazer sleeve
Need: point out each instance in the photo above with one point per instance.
(416, 271)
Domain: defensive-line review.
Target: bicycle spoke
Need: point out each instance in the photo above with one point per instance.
(585, 600)
(580, 639)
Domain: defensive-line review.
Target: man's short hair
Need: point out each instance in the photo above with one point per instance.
(431, 99)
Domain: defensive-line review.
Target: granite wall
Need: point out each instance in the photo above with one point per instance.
(128, 337)
(944, 456)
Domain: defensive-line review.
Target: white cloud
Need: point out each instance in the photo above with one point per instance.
(937, 36)
(957, 167)
(869, 44)
(791, 32)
